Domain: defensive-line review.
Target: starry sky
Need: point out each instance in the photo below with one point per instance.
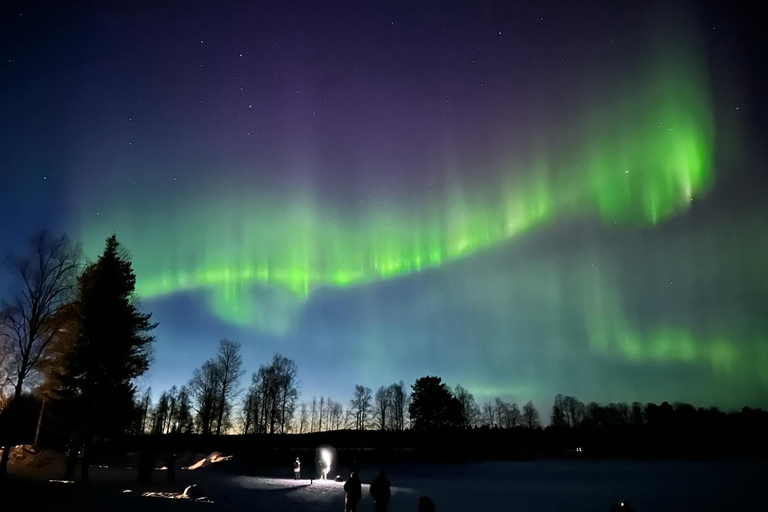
(526, 200)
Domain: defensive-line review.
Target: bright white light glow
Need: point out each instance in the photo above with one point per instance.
(327, 457)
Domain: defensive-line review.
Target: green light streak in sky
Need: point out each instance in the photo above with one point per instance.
(636, 163)
(611, 335)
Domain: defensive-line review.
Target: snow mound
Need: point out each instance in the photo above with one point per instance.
(174, 496)
(27, 455)
(213, 458)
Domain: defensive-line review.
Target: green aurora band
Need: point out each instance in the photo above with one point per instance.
(638, 164)
(636, 160)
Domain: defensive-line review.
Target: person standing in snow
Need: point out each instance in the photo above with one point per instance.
(323, 469)
(353, 490)
(380, 492)
(296, 469)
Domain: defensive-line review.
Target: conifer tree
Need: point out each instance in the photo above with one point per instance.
(113, 347)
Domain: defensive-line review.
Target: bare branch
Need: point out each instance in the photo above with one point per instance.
(47, 278)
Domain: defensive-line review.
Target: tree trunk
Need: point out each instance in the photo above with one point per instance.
(9, 430)
(223, 404)
(39, 424)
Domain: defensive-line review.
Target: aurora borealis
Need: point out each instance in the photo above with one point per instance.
(525, 200)
(635, 170)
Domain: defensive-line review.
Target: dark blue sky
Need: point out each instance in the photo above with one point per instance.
(168, 123)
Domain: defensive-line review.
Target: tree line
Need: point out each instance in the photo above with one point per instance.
(73, 340)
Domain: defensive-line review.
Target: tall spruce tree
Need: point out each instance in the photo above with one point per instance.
(112, 348)
(433, 406)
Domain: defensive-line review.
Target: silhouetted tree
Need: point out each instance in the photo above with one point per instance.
(182, 417)
(144, 407)
(382, 407)
(214, 386)
(360, 406)
(53, 366)
(4, 358)
(230, 365)
(303, 420)
(288, 389)
(263, 383)
(321, 413)
(275, 387)
(567, 411)
(113, 347)
(173, 396)
(557, 417)
(336, 415)
(47, 278)
(516, 416)
(574, 411)
(161, 414)
(313, 415)
(400, 403)
(433, 405)
(622, 414)
(509, 414)
(489, 414)
(250, 410)
(469, 410)
(531, 416)
(205, 392)
(593, 415)
(328, 404)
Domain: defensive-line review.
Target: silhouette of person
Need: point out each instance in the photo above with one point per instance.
(426, 504)
(353, 490)
(323, 469)
(380, 492)
(296, 469)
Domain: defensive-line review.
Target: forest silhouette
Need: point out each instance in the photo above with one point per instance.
(74, 340)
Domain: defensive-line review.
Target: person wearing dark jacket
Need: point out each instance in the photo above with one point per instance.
(353, 490)
(380, 492)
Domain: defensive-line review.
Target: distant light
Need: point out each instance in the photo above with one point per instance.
(327, 457)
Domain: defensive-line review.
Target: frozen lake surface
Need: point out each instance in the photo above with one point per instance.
(658, 486)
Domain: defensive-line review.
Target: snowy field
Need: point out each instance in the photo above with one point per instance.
(532, 486)
(658, 486)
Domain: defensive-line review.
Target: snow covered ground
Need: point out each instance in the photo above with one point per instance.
(540, 485)
(26, 460)
(658, 486)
